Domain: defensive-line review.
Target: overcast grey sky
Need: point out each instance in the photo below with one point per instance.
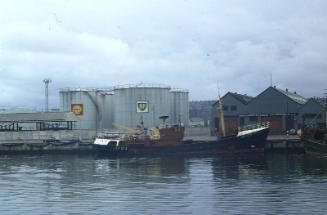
(183, 43)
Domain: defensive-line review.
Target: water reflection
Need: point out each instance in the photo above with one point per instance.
(278, 183)
(229, 168)
(275, 183)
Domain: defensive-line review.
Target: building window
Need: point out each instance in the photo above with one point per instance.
(225, 108)
(233, 108)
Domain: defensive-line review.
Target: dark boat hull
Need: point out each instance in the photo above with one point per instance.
(250, 143)
(314, 147)
(314, 140)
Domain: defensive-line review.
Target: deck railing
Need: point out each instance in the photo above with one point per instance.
(254, 126)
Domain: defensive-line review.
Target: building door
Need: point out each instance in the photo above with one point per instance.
(231, 124)
(289, 122)
(275, 124)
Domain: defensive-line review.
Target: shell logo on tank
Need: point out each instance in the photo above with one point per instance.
(77, 109)
(142, 107)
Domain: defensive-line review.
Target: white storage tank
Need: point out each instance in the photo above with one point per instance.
(128, 105)
(108, 110)
(134, 104)
(87, 104)
(179, 107)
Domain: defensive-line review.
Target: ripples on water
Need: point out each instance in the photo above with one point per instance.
(271, 184)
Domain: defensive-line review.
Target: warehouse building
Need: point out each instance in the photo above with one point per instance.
(10, 110)
(312, 113)
(38, 121)
(283, 109)
(279, 107)
(23, 128)
(234, 104)
(128, 105)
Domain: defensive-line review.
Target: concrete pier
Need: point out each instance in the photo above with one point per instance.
(40, 146)
(285, 143)
(37, 141)
(40, 141)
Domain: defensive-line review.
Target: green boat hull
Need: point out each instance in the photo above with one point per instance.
(315, 147)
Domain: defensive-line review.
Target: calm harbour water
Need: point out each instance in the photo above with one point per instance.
(71, 184)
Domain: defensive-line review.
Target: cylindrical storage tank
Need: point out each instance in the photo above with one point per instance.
(82, 103)
(179, 109)
(141, 103)
(108, 111)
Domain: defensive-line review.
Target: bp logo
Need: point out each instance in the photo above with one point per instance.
(142, 107)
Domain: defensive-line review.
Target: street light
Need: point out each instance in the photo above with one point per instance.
(46, 82)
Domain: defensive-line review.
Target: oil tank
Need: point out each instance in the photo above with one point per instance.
(137, 104)
(108, 110)
(179, 109)
(128, 105)
(86, 104)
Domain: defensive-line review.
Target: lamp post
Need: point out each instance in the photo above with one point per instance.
(46, 82)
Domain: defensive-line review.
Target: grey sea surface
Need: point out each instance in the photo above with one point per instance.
(85, 184)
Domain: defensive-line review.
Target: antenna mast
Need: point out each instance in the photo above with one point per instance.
(221, 114)
(46, 82)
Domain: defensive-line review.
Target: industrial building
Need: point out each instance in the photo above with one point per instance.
(9, 110)
(21, 128)
(279, 107)
(38, 121)
(234, 105)
(284, 110)
(128, 105)
(312, 113)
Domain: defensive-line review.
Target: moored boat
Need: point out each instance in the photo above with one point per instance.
(315, 138)
(246, 141)
(315, 141)
(168, 140)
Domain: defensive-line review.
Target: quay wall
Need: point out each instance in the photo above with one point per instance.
(43, 135)
(35, 140)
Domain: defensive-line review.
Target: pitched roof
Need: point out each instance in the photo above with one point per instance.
(245, 99)
(320, 101)
(293, 96)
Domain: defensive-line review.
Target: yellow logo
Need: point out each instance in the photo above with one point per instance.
(142, 107)
(77, 109)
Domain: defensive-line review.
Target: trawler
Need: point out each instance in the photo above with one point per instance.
(315, 138)
(168, 140)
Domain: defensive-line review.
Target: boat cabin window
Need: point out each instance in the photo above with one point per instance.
(113, 143)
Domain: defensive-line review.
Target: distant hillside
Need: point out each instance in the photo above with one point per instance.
(201, 109)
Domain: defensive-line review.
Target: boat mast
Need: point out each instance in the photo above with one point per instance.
(221, 115)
